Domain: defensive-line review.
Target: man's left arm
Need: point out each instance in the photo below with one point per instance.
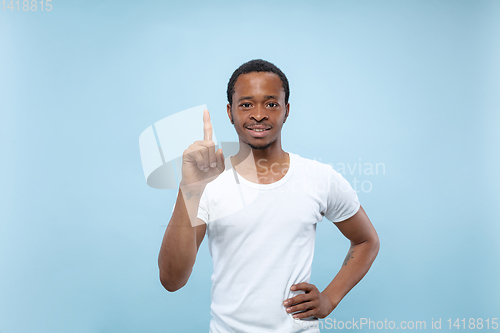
(364, 248)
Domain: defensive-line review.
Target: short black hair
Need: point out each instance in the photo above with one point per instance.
(256, 65)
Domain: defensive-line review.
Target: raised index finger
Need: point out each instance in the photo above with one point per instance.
(207, 126)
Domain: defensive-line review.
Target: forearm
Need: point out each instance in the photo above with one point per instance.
(179, 248)
(355, 266)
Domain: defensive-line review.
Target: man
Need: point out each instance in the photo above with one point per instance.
(260, 214)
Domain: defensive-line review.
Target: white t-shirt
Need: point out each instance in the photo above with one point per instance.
(261, 238)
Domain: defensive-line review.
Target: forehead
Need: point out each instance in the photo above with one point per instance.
(254, 83)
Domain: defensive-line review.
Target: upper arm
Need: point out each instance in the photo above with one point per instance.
(358, 228)
(201, 229)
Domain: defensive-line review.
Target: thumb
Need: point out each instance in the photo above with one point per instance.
(219, 157)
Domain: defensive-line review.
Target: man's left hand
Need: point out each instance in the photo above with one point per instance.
(313, 303)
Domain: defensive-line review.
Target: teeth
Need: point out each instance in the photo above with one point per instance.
(259, 130)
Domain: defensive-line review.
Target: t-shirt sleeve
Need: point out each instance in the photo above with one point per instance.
(342, 202)
(203, 207)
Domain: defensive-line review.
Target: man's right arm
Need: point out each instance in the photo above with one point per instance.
(201, 164)
(181, 240)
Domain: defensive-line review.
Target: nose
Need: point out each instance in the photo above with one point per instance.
(259, 113)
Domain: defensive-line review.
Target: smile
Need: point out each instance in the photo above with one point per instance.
(258, 132)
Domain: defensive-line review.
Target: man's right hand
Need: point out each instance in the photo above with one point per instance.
(200, 163)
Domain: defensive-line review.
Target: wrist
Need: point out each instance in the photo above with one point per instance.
(194, 187)
(332, 297)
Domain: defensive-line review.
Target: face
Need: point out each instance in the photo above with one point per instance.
(258, 111)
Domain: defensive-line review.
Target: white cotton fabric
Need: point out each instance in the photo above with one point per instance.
(261, 238)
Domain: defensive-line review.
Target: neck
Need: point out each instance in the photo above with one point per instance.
(272, 154)
(262, 166)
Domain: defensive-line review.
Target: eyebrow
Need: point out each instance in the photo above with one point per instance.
(251, 97)
(244, 97)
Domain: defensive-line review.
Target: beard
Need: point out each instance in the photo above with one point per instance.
(263, 147)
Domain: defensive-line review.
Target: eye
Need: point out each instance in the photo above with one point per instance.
(272, 104)
(245, 105)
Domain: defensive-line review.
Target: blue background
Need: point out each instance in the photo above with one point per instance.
(410, 84)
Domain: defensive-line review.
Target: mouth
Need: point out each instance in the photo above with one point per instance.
(258, 131)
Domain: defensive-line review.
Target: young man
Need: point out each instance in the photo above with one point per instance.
(259, 209)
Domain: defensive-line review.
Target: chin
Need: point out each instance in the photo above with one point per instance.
(261, 146)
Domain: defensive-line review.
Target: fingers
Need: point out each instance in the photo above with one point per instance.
(303, 286)
(204, 154)
(207, 126)
(207, 150)
(294, 303)
(310, 304)
(300, 304)
(211, 155)
(306, 314)
(298, 299)
(301, 307)
(207, 137)
(200, 160)
(220, 163)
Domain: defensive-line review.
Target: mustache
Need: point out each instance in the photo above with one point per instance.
(259, 124)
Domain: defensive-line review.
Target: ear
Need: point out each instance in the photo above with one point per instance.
(286, 112)
(229, 113)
